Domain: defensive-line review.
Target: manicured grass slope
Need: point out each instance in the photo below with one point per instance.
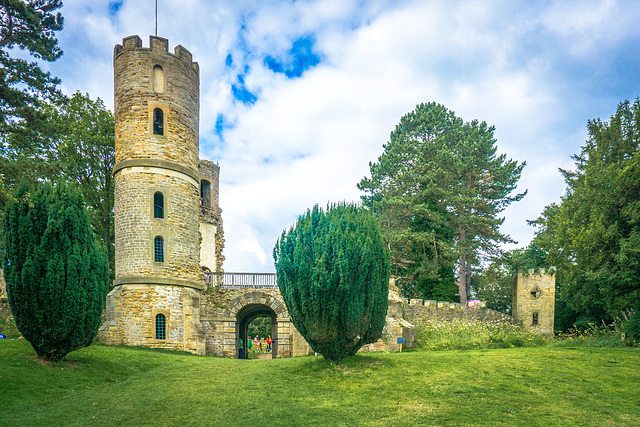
(540, 386)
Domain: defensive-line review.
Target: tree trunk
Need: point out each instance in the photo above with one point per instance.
(463, 269)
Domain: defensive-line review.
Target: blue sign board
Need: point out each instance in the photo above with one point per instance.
(400, 340)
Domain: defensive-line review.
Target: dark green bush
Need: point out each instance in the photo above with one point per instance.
(333, 273)
(57, 274)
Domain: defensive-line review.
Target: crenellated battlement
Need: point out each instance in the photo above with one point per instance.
(157, 45)
(538, 271)
(416, 310)
(445, 304)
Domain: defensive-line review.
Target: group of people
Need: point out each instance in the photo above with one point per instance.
(253, 345)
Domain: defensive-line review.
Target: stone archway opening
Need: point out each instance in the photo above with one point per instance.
(249, 314)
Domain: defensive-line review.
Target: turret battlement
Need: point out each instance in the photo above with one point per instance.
(157, 45)
(537, 271)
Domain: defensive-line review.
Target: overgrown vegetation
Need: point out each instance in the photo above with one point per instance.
(469, 333)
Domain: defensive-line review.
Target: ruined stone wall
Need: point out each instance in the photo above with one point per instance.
(396, 326)
(534, 296)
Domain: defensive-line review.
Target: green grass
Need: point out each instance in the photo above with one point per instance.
(539, 386)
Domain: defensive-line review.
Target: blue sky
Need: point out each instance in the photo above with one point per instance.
(297, 97)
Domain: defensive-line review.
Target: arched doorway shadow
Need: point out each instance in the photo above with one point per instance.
(247, 314)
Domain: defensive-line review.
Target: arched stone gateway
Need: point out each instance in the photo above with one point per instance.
(250, 312)
(226, 320)
(255, 304)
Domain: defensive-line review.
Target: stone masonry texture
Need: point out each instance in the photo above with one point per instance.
(534, 297)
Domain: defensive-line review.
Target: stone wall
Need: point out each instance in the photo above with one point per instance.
(5, 310)
(131, 312)
(136, 96)
(418, 310)
(136, 228)
(156, 102)
(149, 163)
(396, 326)
(211, 230)
(222, 309)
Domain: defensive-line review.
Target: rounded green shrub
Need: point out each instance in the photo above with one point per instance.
(333, 272)
(57, 274)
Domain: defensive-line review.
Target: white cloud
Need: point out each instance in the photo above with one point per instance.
(525, 67)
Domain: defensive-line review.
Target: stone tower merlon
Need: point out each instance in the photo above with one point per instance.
(156, 176)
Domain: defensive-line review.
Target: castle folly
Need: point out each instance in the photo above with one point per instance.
(168, 226)
(165, 202)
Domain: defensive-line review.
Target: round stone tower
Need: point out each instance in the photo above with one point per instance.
(156, 297)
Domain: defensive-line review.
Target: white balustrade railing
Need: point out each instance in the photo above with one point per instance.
(240, 280)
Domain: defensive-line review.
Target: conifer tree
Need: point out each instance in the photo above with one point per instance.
(26, 26)
(438, 189)
(332, 271)
(56, 273)
(593, 235)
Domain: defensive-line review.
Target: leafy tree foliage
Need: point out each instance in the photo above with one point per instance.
(80, 148)
(593, 235)
(84, 144)
(26, 25)
(56, 273)
(260, 326)
(437, 190)
(333, 273)
(494, 284)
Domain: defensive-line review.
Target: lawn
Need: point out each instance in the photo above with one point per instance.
(104, 385)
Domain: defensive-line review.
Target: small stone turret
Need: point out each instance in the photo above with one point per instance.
(534, 299)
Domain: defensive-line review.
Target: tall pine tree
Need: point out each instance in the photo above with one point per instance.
(438, 189)
(26, 25)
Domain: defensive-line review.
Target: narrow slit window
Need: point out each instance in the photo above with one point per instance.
(158, 122)
(161, 327)
(205, 193)
(158, 79)
(534, 320)
(158, 205)
(158, 249)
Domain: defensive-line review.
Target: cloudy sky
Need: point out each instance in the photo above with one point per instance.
(297, 97)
